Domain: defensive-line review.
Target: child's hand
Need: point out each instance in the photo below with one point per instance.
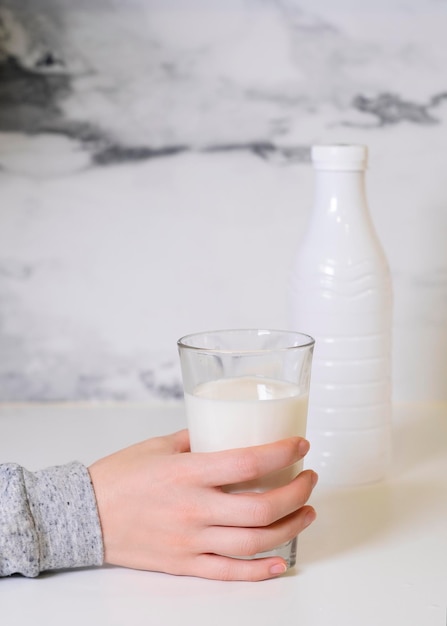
(162, 507)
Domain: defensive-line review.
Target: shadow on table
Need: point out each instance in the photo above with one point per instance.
(352, 517)
(419, 437)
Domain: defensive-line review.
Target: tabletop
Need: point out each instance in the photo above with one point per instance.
(376, 554)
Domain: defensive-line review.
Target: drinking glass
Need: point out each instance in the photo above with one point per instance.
(247, 387)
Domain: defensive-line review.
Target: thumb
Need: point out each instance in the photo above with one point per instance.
(178, 442)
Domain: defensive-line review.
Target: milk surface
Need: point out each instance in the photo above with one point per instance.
(246, 411)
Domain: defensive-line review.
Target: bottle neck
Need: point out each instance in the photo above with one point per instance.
(338, 192)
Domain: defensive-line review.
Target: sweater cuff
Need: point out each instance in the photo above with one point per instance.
(63, 505)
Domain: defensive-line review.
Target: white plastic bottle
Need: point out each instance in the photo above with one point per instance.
(340, 293)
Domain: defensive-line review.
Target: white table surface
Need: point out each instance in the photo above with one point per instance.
(376, 555)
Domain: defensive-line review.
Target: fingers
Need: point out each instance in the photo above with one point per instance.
(253, 510)
(246, 542)
(244, 464)
(218, 567)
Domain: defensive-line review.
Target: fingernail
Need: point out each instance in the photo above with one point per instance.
(278, 568)
(303, 447)
(314, 479)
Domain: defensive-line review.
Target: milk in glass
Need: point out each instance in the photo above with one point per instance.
(246, 411)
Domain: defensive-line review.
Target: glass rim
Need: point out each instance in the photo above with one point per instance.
(307, 342)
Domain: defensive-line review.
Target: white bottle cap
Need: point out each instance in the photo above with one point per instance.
(340, 157)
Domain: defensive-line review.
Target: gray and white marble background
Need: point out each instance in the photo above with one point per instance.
(155, 178)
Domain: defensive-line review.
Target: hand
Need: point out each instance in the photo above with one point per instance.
(162, 507)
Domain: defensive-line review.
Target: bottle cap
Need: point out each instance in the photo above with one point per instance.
(346, 157)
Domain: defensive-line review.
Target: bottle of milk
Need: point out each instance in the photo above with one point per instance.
(340, 293)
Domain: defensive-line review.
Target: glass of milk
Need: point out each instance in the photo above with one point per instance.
(247, 387)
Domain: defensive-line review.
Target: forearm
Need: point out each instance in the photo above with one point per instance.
(48, 520)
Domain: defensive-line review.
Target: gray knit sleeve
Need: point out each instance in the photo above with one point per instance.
(48, 519)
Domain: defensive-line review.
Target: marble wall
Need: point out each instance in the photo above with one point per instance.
(155, 178)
